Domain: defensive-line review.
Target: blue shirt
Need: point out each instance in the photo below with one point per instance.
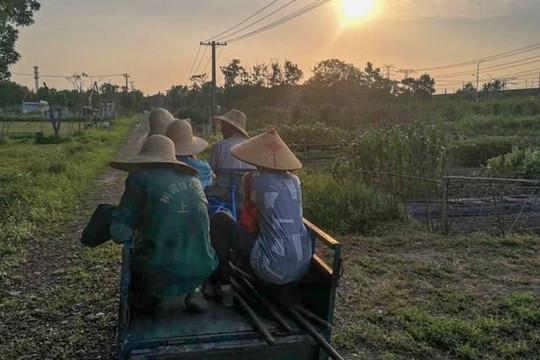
(222, 158)
(283, 250)
(204, 174)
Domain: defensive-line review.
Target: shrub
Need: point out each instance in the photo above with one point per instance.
(475, 152)
(415, 150)
(198, 116)
(315, 133)
(346, 206)
(519, 163)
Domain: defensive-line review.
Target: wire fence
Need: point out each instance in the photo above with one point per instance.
(461, 204)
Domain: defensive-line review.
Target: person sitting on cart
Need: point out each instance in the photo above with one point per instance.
(270, 237)
(158, 120)
(163, 213)
(233, 129)
(187, 147)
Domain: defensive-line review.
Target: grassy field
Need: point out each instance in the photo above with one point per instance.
(21, 129)
(40, 184)
(407, 294)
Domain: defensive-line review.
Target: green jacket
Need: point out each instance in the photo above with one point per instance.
(165, 213)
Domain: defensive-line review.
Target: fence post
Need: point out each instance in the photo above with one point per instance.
(446, 182)
(499, 218)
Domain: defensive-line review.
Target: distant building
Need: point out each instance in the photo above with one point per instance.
(35, 107)
(61, 112)
(107, 111)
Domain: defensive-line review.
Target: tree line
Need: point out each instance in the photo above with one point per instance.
(333, 83)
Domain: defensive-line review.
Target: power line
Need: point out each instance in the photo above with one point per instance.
(524, 73)
(220, 51)
(283, 20)
(487, 58)
(261, 19)
(498, 66)
(206, 65)
(243, 21)
(200, 62)
(193, 65)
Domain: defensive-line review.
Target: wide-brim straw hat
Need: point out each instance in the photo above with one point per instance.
(268, 151)
(157, 150)
(235, 118)
(185, 143)
(159, 120)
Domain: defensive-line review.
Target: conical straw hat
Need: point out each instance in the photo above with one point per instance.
(185, 143)
(156, 150)
(236, 118)
(267, 150)
(159, 119)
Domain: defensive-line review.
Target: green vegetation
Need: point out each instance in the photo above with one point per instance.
(41, 184)
(415, 150)
(347, 206)
(519, 163)
(477, 151)
(15, 14)
(408, 294)
(33, 130)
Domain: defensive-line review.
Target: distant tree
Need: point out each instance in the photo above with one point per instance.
(468, 91)
(43, 93)
(58, 98)
(13, 14)
(109, 91)
(176, 96)
(245, 77)
(372, 75)
(493, 86)
(13, 94)
(198, 81)
(259, 75)
(332, 72)
(425, 86)
(131, 100)
(291, 73)
(422, 87)
(232, 73)
(78, 81)
(275, 77)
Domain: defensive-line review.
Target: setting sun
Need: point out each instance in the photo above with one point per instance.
(358, 8)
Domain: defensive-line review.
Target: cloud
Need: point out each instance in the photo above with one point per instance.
(448, 9)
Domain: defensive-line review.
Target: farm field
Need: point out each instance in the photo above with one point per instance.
(23, 130)
(406, 293)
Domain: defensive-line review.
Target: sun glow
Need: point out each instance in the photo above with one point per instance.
(356, 9)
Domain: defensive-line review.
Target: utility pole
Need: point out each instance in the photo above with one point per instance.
(126, 76)
(406, 72)
(213, 44)
(388, 67)
(478, 77)
(36, 78)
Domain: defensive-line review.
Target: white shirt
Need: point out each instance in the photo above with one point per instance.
(222, 158)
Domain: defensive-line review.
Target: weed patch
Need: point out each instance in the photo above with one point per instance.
(346, 206)
(40, 184)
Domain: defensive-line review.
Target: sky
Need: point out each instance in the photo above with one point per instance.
(156, 41)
